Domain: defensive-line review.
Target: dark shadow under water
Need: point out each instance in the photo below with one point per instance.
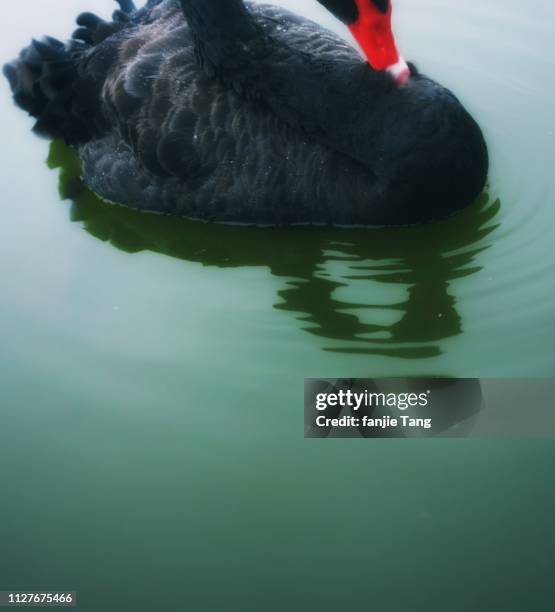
(421, 261)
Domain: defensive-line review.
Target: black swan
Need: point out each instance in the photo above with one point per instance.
(238, 112)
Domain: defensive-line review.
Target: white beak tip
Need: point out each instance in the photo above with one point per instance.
(400, 71)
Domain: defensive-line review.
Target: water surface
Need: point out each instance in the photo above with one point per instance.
(151, 369)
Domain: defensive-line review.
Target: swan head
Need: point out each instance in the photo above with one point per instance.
(370, 23)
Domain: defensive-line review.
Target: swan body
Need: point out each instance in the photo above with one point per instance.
(250, 115)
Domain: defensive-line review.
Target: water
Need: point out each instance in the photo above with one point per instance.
(151, 369)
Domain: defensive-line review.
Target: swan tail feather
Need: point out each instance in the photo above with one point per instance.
(42, 80)
(93, 30)
(45, 78)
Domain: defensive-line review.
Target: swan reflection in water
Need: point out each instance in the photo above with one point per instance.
(322, 266)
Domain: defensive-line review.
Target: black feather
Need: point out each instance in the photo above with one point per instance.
(89, 20)
(127, 6)
(48, 52)
(84, 34)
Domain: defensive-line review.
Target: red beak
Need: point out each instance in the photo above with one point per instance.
(374, 34)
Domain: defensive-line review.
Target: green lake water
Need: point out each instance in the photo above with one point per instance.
(151, 369)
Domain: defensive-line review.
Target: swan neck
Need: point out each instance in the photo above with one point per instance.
(225, 35)
(227, 17)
